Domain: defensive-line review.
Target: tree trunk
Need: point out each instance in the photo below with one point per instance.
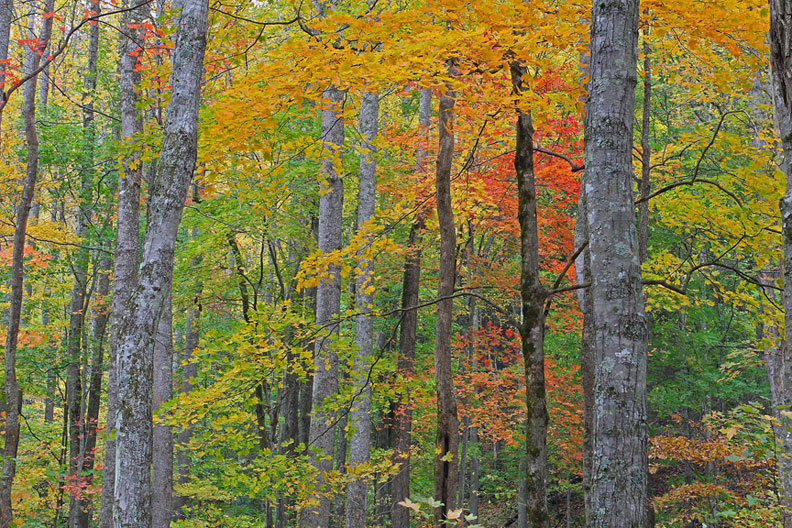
(402, 416)
(13, 395)
(447, 443)
(359, 416)
(189, 372)
(620, 463)
(125, 266)
(98, 330)
(533, 296)
(781, 62)
(586, 302)
(474, 475)
(328, 305)
(646, 157)
(162, 451)
(138, 328)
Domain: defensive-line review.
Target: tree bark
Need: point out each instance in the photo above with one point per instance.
(13, 395)
(620, 463)
(781, 63)
(127, 243)
(533, 296)
(98, 330)
(162, 451)
(328, 306)
(137, 330)
(402, 416)
(586, 303)
(360, 418)
(447, 442)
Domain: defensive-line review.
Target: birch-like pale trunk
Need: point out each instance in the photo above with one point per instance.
(402, 420)
(13, 395)
(127, 242)
(620, 461)
(446, 470)
(781, 63)
(328, 306)
(360, 414)
(138, 327)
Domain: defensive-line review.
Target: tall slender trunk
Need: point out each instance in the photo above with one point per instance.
(645, 189)
(162, 450)
(13, 395)
(402, 416)
(470, 352)
(79, 304)
(475, 487)
(533, 296)
(646, 156)
(127, 238)
(98, 331)
(49, 399)
(328, 306)
(620, 463)
(447, 442)
(359, 416)
(586, 303)
(189, 372)
(139, 327)
(781, 62)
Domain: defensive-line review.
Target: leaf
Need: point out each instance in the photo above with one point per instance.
(407, 503)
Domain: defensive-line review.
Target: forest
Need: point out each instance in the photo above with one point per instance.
(396, 263)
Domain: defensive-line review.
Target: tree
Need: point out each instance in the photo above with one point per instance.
(360, 416)
(620, 464)
(127, 242)
(447, 442)
(781, 65)
(137, 330)
(13, 395)
(532, 331)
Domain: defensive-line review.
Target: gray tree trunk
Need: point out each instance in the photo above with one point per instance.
(127, 243)
(139, 326)
(13, 395)
(360, 418)
(328, 305)
(586, 302)
(446, 470)
(533, 296)
(620, 463)
(781, 62)
(162, 452)
(402, 420)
